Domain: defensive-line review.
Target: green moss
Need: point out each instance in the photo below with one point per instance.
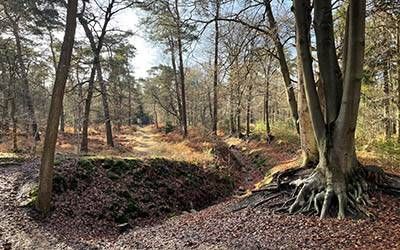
(86, 168)
(87, 165)
(33, 196)
(59, 184)
(120, 167)
(108, 163)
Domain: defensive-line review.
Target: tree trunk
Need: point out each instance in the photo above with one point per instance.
(47, 162)
(238, 122)
(308, 143)
(104, 97)
(216, 44)
(231, 110)
(338, 165)
(62, 121)
(54, 58)
(248, 110)
(181, 69)
(398, 79)
(177, 88)
(13, 110)
(130, 104)
(155, 115)
(86, 115)
(283, 65)
(386, 102)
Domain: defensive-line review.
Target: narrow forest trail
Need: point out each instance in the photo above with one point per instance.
(215, 227)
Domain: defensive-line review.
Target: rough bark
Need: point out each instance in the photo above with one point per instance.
(47, 162)
(215, 90)
(54, 58)
(181, 68)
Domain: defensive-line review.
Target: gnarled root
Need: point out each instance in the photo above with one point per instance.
(299, 191)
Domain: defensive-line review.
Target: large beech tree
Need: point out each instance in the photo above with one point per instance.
(334, 130)
(46, 167)
(337, 184)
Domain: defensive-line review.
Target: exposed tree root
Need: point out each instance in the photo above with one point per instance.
(307, 191)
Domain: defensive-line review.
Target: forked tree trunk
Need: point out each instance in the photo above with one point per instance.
(335, 174)
(96, 50)
(47, 162)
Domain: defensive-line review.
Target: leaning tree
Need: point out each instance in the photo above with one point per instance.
(338, 184)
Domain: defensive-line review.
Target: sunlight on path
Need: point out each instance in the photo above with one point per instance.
(147, 142)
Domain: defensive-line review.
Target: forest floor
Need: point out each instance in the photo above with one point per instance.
(214, 227)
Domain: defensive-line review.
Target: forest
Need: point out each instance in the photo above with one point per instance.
(194, 124)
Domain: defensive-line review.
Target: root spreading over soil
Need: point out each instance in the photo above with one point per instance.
(302, 190)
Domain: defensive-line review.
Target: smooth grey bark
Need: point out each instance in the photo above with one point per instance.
(47, 161)
(335, 138)
(309, 147)
(328, 65)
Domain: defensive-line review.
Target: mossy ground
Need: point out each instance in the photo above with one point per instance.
(131, 190)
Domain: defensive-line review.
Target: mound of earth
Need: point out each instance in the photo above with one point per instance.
(120, 191)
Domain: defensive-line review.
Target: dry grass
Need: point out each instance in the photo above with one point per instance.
(133, 142)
